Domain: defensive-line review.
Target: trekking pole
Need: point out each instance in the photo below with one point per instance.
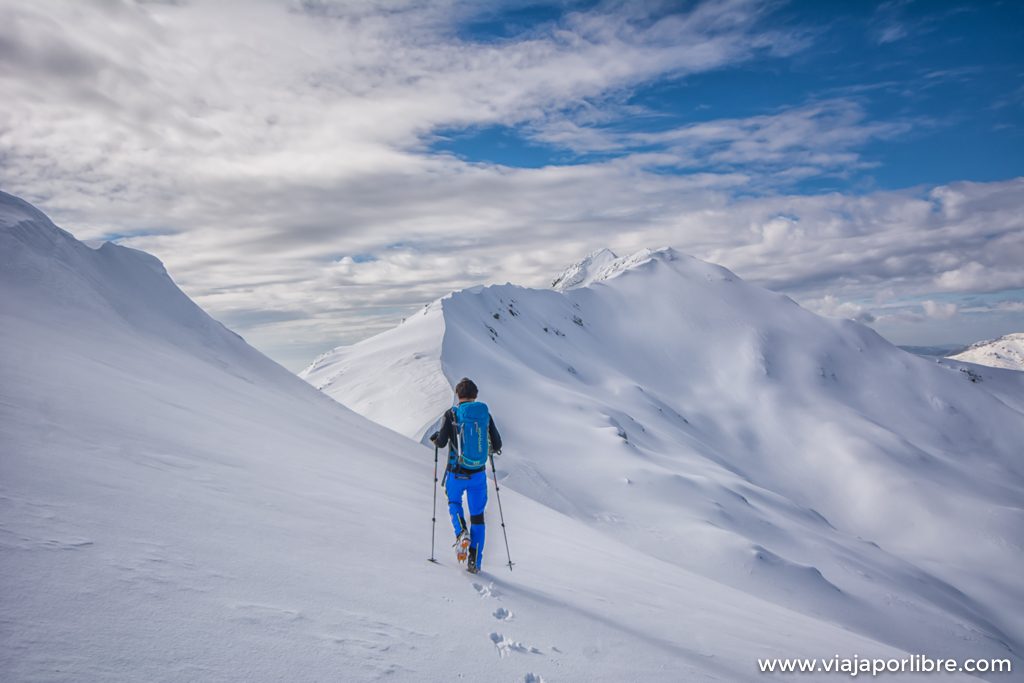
(500, 513)
(433, 520)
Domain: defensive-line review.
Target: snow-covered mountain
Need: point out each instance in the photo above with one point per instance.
(176, 507)
(1005, 352)
(730, 433)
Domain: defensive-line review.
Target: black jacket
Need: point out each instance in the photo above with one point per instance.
(447, 436)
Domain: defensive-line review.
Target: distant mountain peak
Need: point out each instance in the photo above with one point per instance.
(604, 264)
(1005, 352)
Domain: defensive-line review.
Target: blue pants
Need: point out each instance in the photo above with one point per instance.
(475, 488)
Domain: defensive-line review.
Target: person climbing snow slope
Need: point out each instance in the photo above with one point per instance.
(469, 432)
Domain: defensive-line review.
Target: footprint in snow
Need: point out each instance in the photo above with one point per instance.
(533, 678)
(488, 591)
(503, 614)
(506, 646)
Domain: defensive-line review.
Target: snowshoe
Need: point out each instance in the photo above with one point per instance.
(471, 566)
(462, 546)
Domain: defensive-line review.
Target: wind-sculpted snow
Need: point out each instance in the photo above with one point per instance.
(176, 507)
(730, 433)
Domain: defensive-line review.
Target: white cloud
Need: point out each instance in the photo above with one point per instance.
(257, 147)
(891, 33)
(939, 310)
(979, 277)
(831, 306)
(1008, 306)
(789, 145)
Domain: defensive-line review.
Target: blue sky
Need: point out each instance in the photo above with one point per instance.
(312, 171)
(953, 72)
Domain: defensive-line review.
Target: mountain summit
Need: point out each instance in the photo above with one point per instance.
(584, 271)
(727, 431)
(603, 264)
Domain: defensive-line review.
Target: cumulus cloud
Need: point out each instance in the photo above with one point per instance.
(976, 276)
(832, 306)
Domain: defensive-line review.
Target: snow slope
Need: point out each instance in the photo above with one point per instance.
(728, 432)
(176, 507)
(1005, 352)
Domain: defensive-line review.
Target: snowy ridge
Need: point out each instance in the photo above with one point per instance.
(1005, 352)
(603, 264)
(174, 506)
(727, 431)
(585, 271)
(407, 356)
(83, 288)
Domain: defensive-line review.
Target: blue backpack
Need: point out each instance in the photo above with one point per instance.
(472, 422)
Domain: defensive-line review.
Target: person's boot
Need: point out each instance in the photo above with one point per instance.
(472, 567)
(462, 546)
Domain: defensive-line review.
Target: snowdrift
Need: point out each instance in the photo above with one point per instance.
(176, 507)
(728, 432)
